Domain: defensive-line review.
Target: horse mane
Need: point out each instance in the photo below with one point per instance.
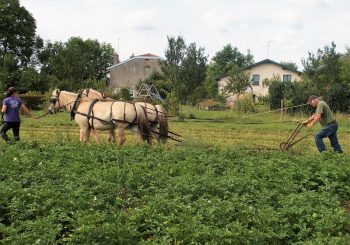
(143, 123)
(163, 124)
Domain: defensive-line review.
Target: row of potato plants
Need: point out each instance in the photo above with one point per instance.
(86, 194)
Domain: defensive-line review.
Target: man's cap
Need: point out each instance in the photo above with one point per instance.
(312, 97)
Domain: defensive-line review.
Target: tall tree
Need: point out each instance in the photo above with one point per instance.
(232, 55)
(76, 60)
(238, 81)
(222, 63)
(290, 65)
(17, 31)
(323, 68)
(345, 67)
(185, 68)
(174, 56)
(193, 73)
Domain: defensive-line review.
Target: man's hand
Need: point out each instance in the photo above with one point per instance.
(310, 125)
(306, 121)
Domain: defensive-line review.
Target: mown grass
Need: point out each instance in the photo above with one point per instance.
(218, 128)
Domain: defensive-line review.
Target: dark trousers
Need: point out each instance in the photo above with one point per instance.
(329, 131)
(7, 126)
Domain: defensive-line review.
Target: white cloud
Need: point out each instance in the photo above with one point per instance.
(141, 20)
(142, 26)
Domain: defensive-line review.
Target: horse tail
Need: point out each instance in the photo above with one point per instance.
(143, 123)
(163, 124)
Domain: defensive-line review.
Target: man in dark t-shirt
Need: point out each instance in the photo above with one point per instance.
(11, 107)
(324, 115)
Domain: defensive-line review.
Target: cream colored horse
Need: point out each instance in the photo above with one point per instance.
(104, 115)
(156, 115)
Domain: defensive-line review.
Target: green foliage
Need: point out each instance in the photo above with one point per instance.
(185, 68)
(277, 91)
(229, 55)
(290, 65)
(82, 194)
(345, 67)
(222, 64)
(245, 103)
(238, 81)
(323, 68)
(123, 94)
(172, 104)
(159, 81)
(17, 31)
(33, 101)
(79, 59)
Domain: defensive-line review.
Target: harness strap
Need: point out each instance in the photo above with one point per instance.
(75, 106)
(91, 113)
(110, 114)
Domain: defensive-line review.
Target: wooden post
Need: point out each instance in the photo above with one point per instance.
(281, 110)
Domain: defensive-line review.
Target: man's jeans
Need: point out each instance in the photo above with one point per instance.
(329, 131)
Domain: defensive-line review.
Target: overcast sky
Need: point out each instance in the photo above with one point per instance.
(291, 27)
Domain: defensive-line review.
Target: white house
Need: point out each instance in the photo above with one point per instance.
(260, 71)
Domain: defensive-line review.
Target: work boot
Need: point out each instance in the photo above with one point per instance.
(5, 137)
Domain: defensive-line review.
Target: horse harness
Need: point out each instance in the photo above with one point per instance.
(90, 114)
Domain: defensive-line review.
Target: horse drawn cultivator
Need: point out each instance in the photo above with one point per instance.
(91, 110)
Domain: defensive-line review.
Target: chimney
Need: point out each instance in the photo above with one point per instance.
(116, 58)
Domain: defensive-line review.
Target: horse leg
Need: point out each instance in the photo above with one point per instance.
(85, 132)
(111, 136)
(155, 131)
(96, 136)
(121, 136)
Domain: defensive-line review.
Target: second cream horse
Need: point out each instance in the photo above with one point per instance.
(104, 115)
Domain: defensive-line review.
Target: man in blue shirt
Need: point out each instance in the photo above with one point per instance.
(11, 107)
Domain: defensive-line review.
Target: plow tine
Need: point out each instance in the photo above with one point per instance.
(167, 136)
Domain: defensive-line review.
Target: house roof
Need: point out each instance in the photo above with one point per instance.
(268, 61)
(143, 56)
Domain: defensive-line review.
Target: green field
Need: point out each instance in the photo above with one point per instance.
(227, 182)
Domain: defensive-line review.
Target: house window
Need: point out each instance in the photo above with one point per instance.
(255, 79)
(287, 78)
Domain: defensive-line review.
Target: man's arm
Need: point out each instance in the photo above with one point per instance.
(316, 118)
(26, 110)
(308, 120)
(3, 109)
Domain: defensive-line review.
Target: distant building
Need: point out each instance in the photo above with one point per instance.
(260, 71)
(127, 73)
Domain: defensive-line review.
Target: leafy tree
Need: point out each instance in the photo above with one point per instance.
(327, 71)
(290, 65)
(238, 81)
(323, 68)
(76, 63)
(193, 73)
(185, 68)
(221, 65)
(123, 94)
(9, 71)
(171, 67)
(276, 91)
(345, 67)
(17, 31)
(160, 82)
(232, 55)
